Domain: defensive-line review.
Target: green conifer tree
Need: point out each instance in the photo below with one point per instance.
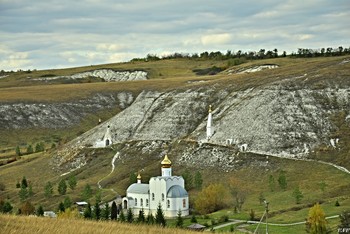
(48, 189)
(40, 211)
(141, 218)
(62, 187)
(160, 216)
(122, 216)
(72, 182)
(179, 219)
(130, 216)
(106, 212)
(150, 218)
(87, 211)
(114, 211)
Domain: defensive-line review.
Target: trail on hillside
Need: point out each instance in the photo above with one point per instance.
(116, 156)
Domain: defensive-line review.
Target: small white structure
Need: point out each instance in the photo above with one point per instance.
(334, 142)
(50, 214)
(166, 190)
(210, 127)
(243, 147)
(106, 140)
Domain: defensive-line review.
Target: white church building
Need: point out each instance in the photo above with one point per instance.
(166, 190)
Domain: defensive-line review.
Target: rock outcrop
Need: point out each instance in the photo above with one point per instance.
(105, 74)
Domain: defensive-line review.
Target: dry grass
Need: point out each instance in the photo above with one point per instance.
(173, 74)
(23, 224)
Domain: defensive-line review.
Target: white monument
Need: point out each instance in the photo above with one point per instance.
(210, 128)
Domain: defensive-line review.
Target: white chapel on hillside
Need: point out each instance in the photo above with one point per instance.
(167, 190)
(106, 140)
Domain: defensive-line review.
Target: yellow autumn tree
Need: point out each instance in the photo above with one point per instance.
(212, 198)
(316, 221)
(69, 214)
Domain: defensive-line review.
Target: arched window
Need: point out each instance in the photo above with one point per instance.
(162, 196)
(147, 202)
(168, 203)
(184, 203)
(141, 202)
(135, 201)
(152, 196)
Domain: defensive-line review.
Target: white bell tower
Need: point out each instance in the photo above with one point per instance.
(210, 128)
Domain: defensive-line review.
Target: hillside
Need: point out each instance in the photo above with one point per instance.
(289, 116)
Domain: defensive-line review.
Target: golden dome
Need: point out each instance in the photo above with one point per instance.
(209, 108)
(139, 176)
(166, 162)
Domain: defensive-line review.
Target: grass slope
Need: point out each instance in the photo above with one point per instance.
(21, 225)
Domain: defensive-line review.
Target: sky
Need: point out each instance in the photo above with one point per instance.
(49, 34)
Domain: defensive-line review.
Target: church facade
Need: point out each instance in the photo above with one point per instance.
(166, 190)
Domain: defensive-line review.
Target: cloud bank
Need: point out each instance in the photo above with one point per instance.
(61, 33)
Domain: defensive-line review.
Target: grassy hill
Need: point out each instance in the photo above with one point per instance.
(165, 75)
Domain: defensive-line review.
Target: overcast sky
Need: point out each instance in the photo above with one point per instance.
(40, 34)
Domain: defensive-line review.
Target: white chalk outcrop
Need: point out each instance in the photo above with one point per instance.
(105, 74)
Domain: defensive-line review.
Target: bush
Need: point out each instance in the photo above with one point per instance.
(223, 218)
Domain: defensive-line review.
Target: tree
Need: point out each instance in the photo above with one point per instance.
(23, 194)
(298, 195)
(97, 211)
(48, 189)
(67, 202)
(106, 212)
(62, 187)
(272, 183)
(30, 191)
(193, 219)
(114, 211)
(160, 216)
(87, 192)
(27, 208)
(212, 198)
(344, 226)
(24, 183)
(188, 179)
(18, 151)
(282, 180)
(130, 216)
(132, 178)
(72, 182)
(141, 218)
(122, 216)
(6, 207)
(179, 219)
(316, 222)
(29, 149)
(61, 207)
(238, 192)
(150, 218)
(87, 212)
(198, 180)
(322, 185)
(40, 211)
(39, 147)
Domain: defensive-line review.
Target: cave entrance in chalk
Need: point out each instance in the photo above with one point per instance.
(125, 204)
(107, 142)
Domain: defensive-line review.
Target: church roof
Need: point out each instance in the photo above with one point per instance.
(138, 188)
(166, 178)
(176, 191)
